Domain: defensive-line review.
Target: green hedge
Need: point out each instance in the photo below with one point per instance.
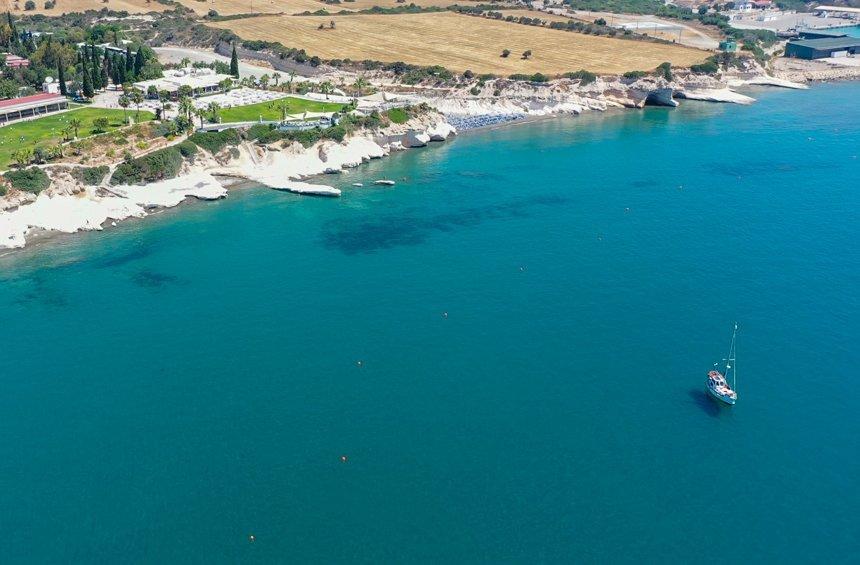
(398, 115)
(635, 74)
(709, 67)
(187, 148)
(158, 165)
(215, 141)
(265, 134)
(33, 180)
(584, 77)
(90, 176)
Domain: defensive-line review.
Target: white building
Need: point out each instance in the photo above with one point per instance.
(51, 86)
(202, 81)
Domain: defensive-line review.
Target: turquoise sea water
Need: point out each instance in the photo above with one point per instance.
(174, 385)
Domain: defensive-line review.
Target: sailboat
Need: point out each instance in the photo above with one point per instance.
(718, 383)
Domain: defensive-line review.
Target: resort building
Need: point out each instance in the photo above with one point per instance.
(28, 106)
(111, 48)
(201, 81)
(823, 48)
(14, 61)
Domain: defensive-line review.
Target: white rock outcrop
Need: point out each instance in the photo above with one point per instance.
(92, 208)
(441, 131)
(715, 95)
(413, 138)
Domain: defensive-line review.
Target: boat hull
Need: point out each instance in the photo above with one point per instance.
(721, 397)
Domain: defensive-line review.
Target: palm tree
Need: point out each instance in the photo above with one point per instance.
(137, 100)
(75, 124)
(200, 113)
(290, 82)
(360, 84)
(213, 109)
(264, 81)
(284, 108)
(163, 97)
(186, 107)
(184, 62)
(124, 102)
(277, 77)
(326, 88)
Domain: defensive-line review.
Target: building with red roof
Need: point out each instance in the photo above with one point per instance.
(30, 106)
(14, 61)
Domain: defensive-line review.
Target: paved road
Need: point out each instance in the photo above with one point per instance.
(649, 25)
(176, 54)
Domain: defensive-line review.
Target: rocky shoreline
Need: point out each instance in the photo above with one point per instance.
(67, 206)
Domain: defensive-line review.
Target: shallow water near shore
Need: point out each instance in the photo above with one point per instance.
(174, 385)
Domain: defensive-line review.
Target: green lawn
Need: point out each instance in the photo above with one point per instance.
(270, 111)
(43, 132)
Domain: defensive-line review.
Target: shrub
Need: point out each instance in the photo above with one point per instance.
(398, 115)
(158, 165)
(100, 125)
(584, 77)
(215, 141)
(187, 148)
(709, 67)
(664, 70)
(29, 5)
(635, 74)
(506, 53)
(90, 176)
(33, 180)
(258, 130)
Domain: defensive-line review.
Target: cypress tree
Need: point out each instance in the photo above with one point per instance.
(138, 62)
(96, 77)
(234, 62)
(15, 39)
(129, 61)
(61, 77)
(117, 80)
(88, 82)
(103, 78)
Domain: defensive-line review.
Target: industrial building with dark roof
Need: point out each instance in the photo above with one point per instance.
(822, 48)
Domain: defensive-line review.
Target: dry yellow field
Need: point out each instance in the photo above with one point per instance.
(461, 42)
(232, 7)
(67, 6)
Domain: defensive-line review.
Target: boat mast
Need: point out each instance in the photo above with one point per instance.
(730, 362)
